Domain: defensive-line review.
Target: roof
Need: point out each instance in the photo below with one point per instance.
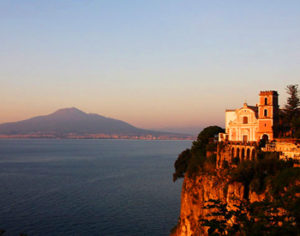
(254, 108)
(269, 92)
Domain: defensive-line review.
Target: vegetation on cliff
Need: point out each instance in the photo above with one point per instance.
(275, 182)
(195, 159)
(258, 218)
(278, 213)
(276, 209)
(258, 174)
(289, 116)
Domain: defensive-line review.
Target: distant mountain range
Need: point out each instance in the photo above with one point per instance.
(74, 123)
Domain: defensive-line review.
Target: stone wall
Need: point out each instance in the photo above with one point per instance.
(228, 152)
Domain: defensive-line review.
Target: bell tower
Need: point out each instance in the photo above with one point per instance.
(267, 115)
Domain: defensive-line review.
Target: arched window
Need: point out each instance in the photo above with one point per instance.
(265, 112)
(245, 120)
(265, 137)
(266, 101)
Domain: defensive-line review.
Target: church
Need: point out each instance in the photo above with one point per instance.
(253, 123)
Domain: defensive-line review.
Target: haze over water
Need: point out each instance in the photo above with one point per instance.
(88, 187)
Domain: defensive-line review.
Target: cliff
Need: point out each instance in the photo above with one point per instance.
(227, 186)
(236, 189)
(196, 191)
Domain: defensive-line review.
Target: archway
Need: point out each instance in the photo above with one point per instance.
(243, 154)
(253, 154)
(238, 153)
(248, 154)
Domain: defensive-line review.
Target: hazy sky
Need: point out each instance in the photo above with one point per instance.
(154, 64)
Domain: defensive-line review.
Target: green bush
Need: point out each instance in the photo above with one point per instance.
(258, 218)
(204, 136)
(173, 230)
(244, 172)
(266, 170)
(284, 178)
(194, 160)
(181, 164)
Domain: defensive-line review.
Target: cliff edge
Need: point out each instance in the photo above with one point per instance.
(258, 196)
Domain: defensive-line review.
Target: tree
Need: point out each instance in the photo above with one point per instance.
(204, 137)
(221, 220)
(192, 159)
(245, 218)
(292, 109)
(293, 100)
(181, 164)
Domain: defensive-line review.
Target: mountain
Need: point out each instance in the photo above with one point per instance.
(71, 122)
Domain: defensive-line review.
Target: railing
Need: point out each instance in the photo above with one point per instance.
(242, 143)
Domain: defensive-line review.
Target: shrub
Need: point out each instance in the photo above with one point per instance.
(195, 164)
(284, 178)
(244, 173)
(194, 160)
(181, 164)
(235, 160)
(267, 169)
(225, 164)
(203, 139)
(173, 230)
(258, 218)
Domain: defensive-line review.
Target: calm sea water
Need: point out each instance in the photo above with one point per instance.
(88, 187)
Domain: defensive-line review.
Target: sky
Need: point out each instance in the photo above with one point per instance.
(156, 64)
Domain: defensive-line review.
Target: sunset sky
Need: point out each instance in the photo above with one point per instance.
(155, 64)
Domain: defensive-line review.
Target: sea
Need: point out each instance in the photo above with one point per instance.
(88, 187)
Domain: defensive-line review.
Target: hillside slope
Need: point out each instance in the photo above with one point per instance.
(76, 122)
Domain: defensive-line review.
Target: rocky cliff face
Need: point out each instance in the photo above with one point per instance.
(236, 188)
(196, 191)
